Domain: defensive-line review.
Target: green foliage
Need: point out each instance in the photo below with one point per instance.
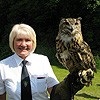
(97, 59)
(93, 4)
(44, 16)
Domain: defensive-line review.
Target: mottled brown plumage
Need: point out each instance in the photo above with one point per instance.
(74, 54)
(72, 51)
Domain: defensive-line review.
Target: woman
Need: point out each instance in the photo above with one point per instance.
(22, 41)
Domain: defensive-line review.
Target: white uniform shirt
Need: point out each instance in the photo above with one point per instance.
(40, 72)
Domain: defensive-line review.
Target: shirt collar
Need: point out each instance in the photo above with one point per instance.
(19, 59)
(28, 58)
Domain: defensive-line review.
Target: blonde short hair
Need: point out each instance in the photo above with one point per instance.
(19, 29)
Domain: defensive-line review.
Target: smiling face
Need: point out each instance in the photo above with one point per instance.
(22, 40)
(23, 45)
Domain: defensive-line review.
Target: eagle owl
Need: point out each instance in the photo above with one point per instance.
(72, 51)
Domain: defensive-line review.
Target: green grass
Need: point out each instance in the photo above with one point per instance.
(87, 93)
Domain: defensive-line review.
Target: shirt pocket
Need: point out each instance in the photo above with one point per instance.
(41, 84)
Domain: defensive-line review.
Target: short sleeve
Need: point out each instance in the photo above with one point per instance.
(51, 79)
(2, 86)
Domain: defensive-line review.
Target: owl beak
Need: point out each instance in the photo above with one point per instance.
(70, 28)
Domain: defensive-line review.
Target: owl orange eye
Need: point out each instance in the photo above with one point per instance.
(66, 23)
(76, 23)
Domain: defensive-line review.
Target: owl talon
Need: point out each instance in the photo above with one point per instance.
(86, 77)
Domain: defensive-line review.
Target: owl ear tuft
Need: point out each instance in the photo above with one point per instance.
(79, 18)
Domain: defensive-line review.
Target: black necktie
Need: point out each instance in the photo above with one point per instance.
(25, 83)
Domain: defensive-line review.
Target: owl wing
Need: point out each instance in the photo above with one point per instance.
(84, 56)
(75, 56)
